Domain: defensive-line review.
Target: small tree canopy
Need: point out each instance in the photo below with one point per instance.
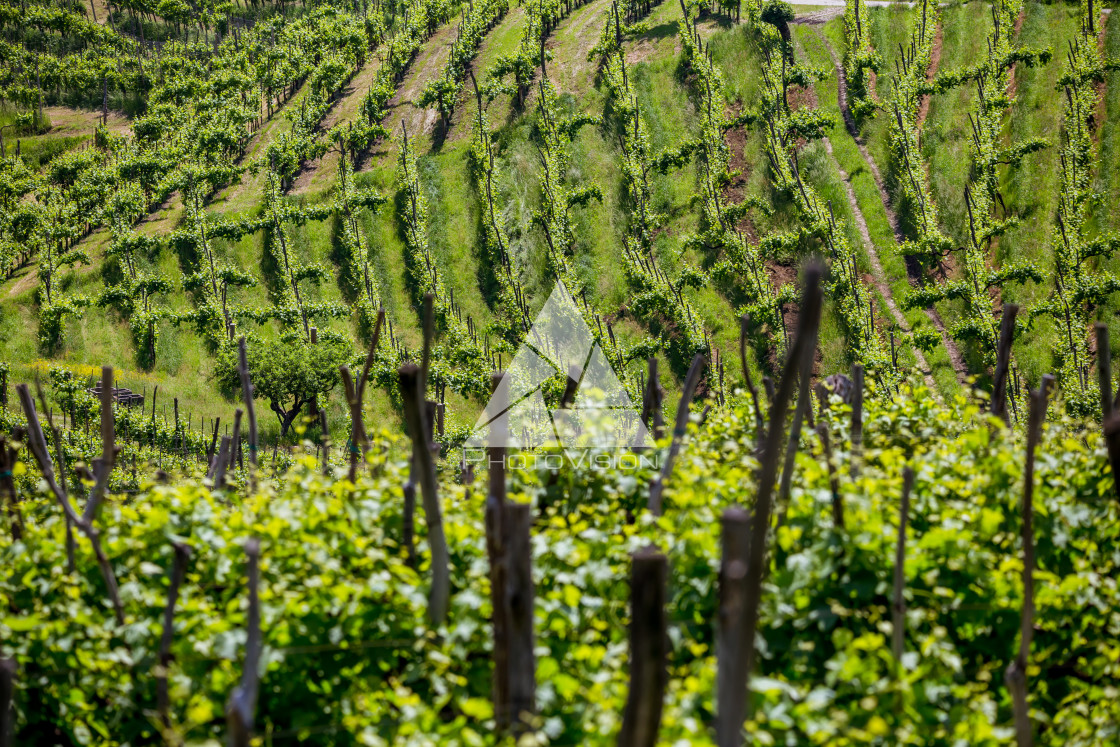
(288, 373)
(777, 13)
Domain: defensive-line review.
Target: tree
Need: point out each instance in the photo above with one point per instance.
(288, 373)
(779, 13)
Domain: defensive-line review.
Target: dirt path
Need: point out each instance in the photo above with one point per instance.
(429, 62)
(242, 195)
(931, 73)
(955, 356)
(319, 173)
(1012, 80)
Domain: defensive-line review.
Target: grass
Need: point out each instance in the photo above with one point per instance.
(1106, 215)
(1031, 192)
(822, 172)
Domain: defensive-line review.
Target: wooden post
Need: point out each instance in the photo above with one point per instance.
(242, 706)
(857, 418)
(410, 383)
(163, 697)
(1112, 441)
(357, 445)
(7, 691)
(108, 448)
(1104, 370)
(37, 443)
(1016, 675)
(800, 356)
(898, 609)
(833, 478)
(652, 413)
(8, 489)
(760, 424)
(680, 427)
(1003, 361)
(313, 404)
(731, 687)
(213, 444)
(496, 551)
(649, 649)
(218, 471)
(516, 529)
(250, 408)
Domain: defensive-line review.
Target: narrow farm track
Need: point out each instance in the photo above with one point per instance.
(570, 43)
(955, 356)
(429, 62)
(931, 73)
(320, 173)
(878, 276)
(498, 41)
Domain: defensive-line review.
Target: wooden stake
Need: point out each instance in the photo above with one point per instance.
(163, 697)
(760, 424)
(8, 489)
(250, 408)
(898, 609)
(410, 378)
(857, 418)
(679, 429)
(7, 691)
(242, 706)
(37, 443)
(800, 357)
(496, 551)
(649, 649)
(1003, 361)
(1016, 675)
(1104, 370)
(652, 413)
(731, 687)
(833, 478)
(516, 540)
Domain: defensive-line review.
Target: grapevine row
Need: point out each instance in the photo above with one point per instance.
(658, 299)
(979, 282)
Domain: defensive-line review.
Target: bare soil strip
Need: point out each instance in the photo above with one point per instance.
(955, 357)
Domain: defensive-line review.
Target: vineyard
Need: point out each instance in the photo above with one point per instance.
(279, 279)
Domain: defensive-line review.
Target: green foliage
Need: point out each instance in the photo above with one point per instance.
(344, 618)
(289, 374)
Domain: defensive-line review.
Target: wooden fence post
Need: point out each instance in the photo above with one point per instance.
(517, 522)
(1003, 361)
(857, 418)
(760, 424)
(250, 408)
(1112, 441)
(1016, 675)
(242, 706)
(496, 551)
(7, 692)
(37, 443)
(1104, 370)
(163, 697)
(410, 382)
(731, 687)
(109, 449)
(680, 427)
(649, 649)
(8, 489)
(898, 608)
(652, 414)
(800, 356)
(833, 478)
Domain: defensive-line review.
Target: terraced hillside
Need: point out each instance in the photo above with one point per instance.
(865, 250)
